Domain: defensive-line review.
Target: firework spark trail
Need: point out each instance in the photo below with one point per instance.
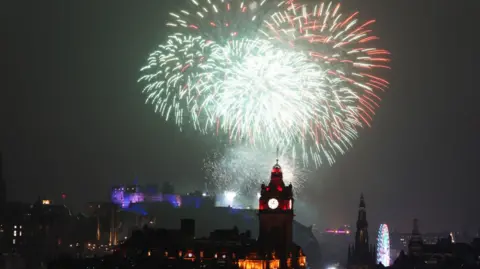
(342, 45)
(263, 97)
(221, 20)
(170, 72)
(243, 168)
(308, 83)
(176, 69)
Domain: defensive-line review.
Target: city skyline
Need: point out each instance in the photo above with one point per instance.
(73, 119)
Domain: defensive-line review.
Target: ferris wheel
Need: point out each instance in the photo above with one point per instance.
(383, 245)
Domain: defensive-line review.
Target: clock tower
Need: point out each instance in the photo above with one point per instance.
(275, 212)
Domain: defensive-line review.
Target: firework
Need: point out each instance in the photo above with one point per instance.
(344, 47)
(176, 70)
(171, 74)
(383, 245)
(263, 94)
(310, 90)
(243, 169)
(221, 20)
(306, 84)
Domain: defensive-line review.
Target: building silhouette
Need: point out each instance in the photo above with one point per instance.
(276, 220)
(445, 253)
(227, 248)
(415, 245)
(361, 255)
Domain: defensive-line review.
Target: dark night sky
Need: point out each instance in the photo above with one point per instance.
(72, 117)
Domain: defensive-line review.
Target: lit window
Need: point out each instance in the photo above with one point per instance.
(14, 226)
(20, 234)
(13, 241)
(20, 226)
(15, 233)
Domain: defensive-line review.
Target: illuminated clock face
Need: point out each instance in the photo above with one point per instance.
(273, 203)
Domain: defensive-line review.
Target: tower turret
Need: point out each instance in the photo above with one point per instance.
(276, 177)
(275, 195)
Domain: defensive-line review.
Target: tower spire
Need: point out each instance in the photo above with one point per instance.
(362, 224)
(361, 252)
(362, 201)
(277, 154)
